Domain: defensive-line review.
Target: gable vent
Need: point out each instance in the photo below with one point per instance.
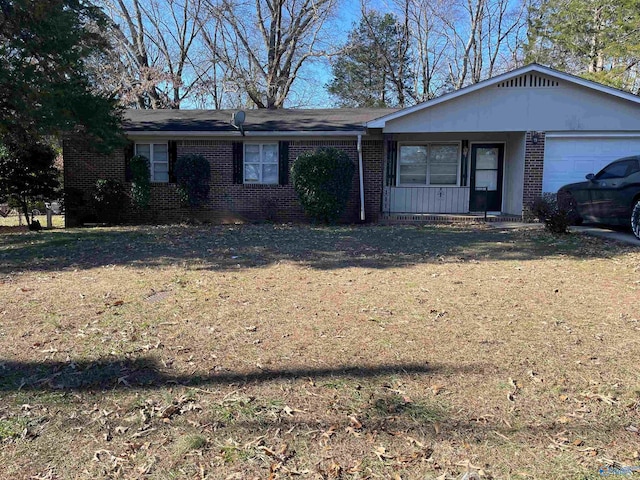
(528, 80)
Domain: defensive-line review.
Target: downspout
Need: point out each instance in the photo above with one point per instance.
(361, 174)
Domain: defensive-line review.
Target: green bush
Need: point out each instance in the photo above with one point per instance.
(322, 180)
(109, 199)
(193, 175)
(72, 200)
(556, 217)
(140, 181)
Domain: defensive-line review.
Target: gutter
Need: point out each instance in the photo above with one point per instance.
(361, 175)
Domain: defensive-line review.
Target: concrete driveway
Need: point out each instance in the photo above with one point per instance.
(623, 236)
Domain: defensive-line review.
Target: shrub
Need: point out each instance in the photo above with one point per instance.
(193, 175)
(556, 216)
(72, 200)
(322, 180)
(140, 181)
(109, 199)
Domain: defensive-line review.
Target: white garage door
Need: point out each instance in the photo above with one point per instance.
(569, 159)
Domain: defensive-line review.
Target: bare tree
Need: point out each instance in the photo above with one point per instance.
(479, 36)
(262, 45)
(427, 47)
(153, 41)
(459, 42)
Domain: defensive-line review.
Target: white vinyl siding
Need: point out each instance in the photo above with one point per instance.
(261, 163)
(158, 155)
(429, 164)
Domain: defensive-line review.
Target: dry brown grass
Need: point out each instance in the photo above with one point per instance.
(12, 221)
(345, 352)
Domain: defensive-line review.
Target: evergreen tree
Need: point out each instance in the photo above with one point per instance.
(28, 174)
(374, 70)
(45, 84)
(598, 39)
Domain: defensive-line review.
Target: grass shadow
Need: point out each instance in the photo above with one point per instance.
(251, 246)
(146, 373)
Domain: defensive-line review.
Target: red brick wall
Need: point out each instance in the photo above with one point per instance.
(373, 160)
(254, 202)
(533, 167)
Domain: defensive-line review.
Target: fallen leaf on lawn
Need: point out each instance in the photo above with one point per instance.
(169, 411)
(121, 429)
(564, 420)
(290, 411)
(353, 421)
(382, 454)
(436, 388)
(267, 450)
(117, 303)
(534, 376)
(352, 470)
(353, 432)
(436, 427)
(412, 440)
(335, 470)
(577, 442)
(329, 432)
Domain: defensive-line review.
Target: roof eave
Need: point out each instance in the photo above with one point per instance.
(247, 133)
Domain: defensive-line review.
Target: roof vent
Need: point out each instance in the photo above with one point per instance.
(528, 80)
(237, 120)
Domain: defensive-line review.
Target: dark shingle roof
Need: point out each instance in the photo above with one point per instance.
(283, 120)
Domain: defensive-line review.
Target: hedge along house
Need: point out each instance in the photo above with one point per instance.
(502, 142)
(493, 146)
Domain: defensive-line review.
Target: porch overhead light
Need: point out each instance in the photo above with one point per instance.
(535, 138)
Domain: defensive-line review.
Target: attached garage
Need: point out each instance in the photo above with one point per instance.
(569, 157)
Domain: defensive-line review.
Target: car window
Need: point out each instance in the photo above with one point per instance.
(619, 169)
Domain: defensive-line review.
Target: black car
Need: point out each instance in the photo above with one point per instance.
(611, 197)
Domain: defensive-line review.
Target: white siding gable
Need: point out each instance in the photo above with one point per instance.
(530, 101)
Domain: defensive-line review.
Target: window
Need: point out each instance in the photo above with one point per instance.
(618, 169)
(158, 155)
(429, 164)
(261, 163)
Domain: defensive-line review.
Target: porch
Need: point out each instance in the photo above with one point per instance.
(449, 218)
(454, 176)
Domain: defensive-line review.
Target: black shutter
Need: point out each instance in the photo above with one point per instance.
(392, 162)
(173, 157)
(129, 152)
(283, 163)
(464, 163)
(237, 162)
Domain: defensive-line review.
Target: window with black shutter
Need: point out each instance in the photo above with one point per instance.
(237, 148)
(283, 165)
(129, 152)
(173, 157)
(392, 162)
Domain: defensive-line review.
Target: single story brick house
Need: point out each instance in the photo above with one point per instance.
(493, 146)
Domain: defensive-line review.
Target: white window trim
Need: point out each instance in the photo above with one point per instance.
(151, 160)
(428, 145)
(244, 161)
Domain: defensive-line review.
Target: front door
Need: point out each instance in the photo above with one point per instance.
(485, 183)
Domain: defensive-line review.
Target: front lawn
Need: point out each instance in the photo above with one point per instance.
(275, 352)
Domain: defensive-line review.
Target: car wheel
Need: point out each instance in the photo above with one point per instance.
(635, 219)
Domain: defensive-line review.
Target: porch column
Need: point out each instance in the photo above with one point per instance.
(533, 166)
